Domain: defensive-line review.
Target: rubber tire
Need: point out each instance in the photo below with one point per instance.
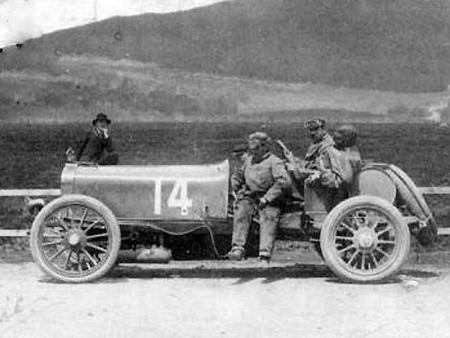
(417, 203)
(92, 203)
(327, 231)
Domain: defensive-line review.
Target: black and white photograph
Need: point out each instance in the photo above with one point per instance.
(224, 168)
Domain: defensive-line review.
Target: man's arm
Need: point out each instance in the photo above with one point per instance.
(332, 170)
(109, 145)
(280, 180)
(81, 146)
(238, 178)
(294, 165)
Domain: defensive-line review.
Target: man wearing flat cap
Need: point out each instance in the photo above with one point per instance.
(97, 146)
(259, 185)
(239, 152)
(321, 141)
(322, 169)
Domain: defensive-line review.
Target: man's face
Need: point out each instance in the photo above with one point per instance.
(316, 135)
(255, 147)
(102, 124)
(240, 156)
(338, 139)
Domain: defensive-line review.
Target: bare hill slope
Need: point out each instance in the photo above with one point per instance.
(400, 45)
(134, 91)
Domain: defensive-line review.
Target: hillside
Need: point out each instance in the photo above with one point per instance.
(134, 91)
(397, 45)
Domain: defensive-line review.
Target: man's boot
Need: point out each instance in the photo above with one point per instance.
(236, 254)
(264, 261)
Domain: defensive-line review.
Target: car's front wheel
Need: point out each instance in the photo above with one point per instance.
(75, 238)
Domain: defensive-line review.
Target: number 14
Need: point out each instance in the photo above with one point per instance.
(178, 197)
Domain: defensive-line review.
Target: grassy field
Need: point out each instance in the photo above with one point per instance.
(33, 155)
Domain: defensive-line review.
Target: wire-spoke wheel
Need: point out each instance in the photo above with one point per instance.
(75, 238)
(364, 239)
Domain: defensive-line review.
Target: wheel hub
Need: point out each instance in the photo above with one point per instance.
(365, 239)
(75, 238)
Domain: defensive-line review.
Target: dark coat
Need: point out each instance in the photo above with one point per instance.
(266, 177)
(94, 147)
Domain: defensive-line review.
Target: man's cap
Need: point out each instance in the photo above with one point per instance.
(101, 117)
(259, 136)
(348, 133)
(240, 148)
(346, 128)
(315, 124)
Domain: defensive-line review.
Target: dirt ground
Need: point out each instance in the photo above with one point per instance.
(291, 298)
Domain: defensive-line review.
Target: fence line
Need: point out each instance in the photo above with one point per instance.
(29, 192)
(57, 192)
(435, 190)
(14, 233)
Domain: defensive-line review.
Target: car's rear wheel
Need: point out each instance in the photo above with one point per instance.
(364, 239)
(75, 238)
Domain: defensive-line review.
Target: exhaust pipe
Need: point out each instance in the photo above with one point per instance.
(155, 254)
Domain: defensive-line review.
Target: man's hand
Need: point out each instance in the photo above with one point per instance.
(240, 193)
(290, 167)
(70, 155)
(104, 132)
(262, 203)
(313, 178)
(329, 179)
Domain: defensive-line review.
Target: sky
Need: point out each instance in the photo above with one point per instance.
(24, 19)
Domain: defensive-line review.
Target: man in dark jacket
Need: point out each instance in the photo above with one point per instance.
(344, 139)
(97, 146)
(322, 169)
(345, 142)
(259, 184)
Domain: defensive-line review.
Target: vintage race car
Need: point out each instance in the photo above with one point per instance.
(108, 210)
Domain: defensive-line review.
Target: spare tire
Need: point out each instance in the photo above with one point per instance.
(390, 183)
(416, 203)
(374, 181)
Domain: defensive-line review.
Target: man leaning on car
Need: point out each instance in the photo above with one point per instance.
(259, 185)
(97, 145)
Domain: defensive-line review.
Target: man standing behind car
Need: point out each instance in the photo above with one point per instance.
(259, 185)
(97, 146)
(345, 142)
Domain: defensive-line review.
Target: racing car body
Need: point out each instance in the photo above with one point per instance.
(153, 192)
(105, 209)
